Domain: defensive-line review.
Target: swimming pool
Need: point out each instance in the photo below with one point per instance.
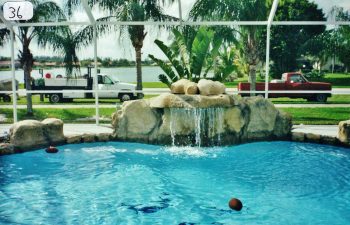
(128, 183)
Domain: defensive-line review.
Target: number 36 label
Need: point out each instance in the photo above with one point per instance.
(18, 10)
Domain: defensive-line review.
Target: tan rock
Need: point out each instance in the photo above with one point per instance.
(329, 140)
(209, 87)
(344, 131)
(167, 100)
(178, 121)
(73, 139)
(191, 88)
(178, 87)
(53, 129)
(88, 138)
(6, 148)
(136, 119)
(213, 119)
(234, 119)
(262, 117)
(283, 124)
(298, 136)
(103, 137)
(28, 134)
(316, 138)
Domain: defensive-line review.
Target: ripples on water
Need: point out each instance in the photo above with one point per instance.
(125, 183)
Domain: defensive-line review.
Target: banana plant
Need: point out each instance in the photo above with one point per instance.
(191, 62)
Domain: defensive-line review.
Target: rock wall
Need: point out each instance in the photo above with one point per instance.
(200, 120)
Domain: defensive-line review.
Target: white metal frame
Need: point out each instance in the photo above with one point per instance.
(92, 22)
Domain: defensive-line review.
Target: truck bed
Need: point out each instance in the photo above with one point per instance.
(56, 82)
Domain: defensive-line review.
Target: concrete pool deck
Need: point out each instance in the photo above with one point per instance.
(72, 129)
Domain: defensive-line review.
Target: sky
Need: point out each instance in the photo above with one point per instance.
(114, 47)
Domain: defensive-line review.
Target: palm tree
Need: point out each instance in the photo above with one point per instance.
(43, 11)
(249, 36)
(4, 35)
(66, 43)
(132, 10)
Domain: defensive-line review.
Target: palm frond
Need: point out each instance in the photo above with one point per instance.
(170, 75)
(172, 58)
(200, 48)
(47, 11)
(84, 36)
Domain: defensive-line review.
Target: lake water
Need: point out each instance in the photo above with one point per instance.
(124, 74)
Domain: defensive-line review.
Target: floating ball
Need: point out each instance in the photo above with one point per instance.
(235, 204)
(51, 149)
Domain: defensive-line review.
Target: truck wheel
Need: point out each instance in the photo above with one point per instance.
(124, 97)
(6, 98)
(321, 98)
(140, 95)
(55, 98)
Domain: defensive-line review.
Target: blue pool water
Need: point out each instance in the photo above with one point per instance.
(127, 183)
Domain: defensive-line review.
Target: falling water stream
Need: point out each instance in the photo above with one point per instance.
(203, 122)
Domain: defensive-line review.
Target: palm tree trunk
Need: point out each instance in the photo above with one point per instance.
(252, 79)
(138, 70)
(27, 68)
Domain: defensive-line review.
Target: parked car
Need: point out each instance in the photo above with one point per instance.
(292, 81)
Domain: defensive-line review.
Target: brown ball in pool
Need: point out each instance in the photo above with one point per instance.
(235, 204)
(51, 149)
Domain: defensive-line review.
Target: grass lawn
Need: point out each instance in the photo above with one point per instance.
(338, 80)
(78, 101)
(67, 115)
(318, 116)
(335, 99)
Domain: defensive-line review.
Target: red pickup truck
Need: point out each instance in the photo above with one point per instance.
(292, 82)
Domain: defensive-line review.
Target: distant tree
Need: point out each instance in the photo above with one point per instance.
(324, 46)
(287, 41)
(343, 33)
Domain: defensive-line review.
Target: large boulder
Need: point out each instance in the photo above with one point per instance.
(178, 87)
(135, 120)
(191, 88)
(53, 130)
(209, 87)
(28, 134)
(262, 117)
(344, 131)
(200, 120)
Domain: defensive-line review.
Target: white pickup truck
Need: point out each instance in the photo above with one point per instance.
(107, 86)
